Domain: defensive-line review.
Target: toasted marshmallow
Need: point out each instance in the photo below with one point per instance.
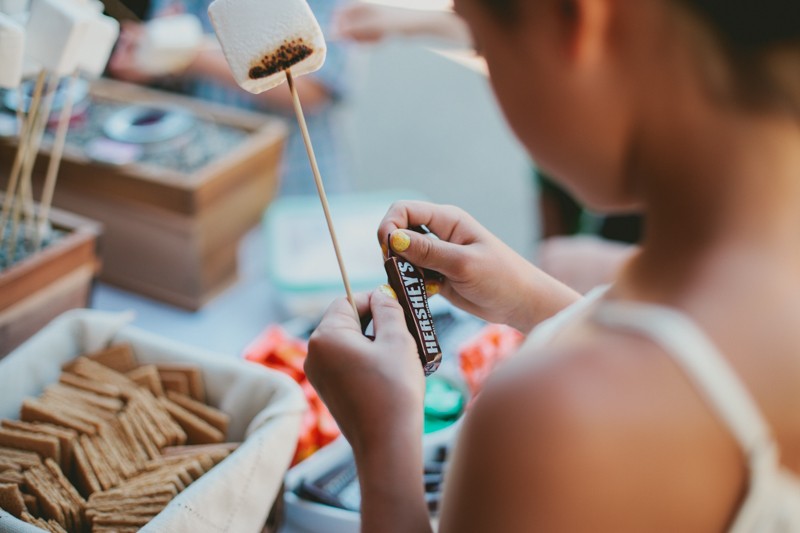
(169, 44)
(101, 36)
(14, 7)
(55, 35)
(12, 48)
(261, 39)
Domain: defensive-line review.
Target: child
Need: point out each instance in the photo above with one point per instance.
(669, 401)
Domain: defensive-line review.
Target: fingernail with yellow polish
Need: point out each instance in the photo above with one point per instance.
(400, 241)
(385, 250)
(433, 288)
(388, 291)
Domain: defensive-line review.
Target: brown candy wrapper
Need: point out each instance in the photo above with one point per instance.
(408, 282)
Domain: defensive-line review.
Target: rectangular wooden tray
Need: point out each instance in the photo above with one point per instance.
(168, 235)
(54, 280)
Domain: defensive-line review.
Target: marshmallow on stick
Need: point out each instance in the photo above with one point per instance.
(12, 47)
(56, 32)
(261, 39)
(14, 7)
(267, 42)
(101, 36)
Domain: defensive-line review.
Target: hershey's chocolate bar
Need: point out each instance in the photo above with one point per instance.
(409, 284)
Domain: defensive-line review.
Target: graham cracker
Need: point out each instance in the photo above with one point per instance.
(30, 503)
(126, 502)
(49, 479)
(222, 449)
(38, 522)
(66, 485)
(105, 474)
(12, 476)
(109, 403)
(132, 439)
(119, 358)
(44, 445)
(147, 377)
(65, 437)
(75, 411)
(174, 381)
(6, 464)
(117, 452)
(55, 527)
(198, 431)
(142, 435)
(161, 418)
(95, 387)
(215, 417)
(88, 369)
(194, 378)
(11, 499)
(49, 503)
(124, 491)
(120, 520)
(73, 500)
(36, 411)
(22, 458)
(146, 419)
(102, 406)
(84, 473)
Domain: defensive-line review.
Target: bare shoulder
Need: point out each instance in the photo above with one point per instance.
(605, 435)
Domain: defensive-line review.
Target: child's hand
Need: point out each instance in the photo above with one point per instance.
(483, 275)
(373, 388)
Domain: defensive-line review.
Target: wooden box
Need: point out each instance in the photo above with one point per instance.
(56, 279)
(170, 235)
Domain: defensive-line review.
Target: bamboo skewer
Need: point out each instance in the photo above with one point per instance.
(25, 201)
(301, 120)
(56, 153)
(26, 130)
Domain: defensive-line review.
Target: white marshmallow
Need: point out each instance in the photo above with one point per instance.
(96, 6)
(56, 31)
(101, 36)
(169, 44)
(261, 38)
(12, 48)
(14, 7)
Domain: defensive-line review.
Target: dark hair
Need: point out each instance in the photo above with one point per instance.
(751, 25)
(748, 30)
(751, 31)
(743, 24)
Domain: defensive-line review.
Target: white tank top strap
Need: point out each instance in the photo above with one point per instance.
(713, 376)
(700, 360)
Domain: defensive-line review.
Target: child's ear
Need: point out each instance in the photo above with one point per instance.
(585, 28)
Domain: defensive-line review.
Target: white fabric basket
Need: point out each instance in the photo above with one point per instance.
(265, 406)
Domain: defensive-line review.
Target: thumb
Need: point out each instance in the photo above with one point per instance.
(428, 253)
(389, 321)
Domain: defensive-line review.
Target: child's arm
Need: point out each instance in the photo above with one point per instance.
(482, 275)
(363, 22)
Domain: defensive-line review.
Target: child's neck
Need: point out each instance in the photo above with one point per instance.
(718, 185)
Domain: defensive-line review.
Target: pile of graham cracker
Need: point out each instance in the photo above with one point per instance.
(110, 445)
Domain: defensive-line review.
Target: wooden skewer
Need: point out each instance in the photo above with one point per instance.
(24, 139)
(37, 126)
(298, 109)
(56, 153)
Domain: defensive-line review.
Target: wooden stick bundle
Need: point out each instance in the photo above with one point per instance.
(56, 154)
(37, 126)
(26, 130)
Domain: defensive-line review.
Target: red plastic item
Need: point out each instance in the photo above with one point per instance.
(278, 350)
(479, 356)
